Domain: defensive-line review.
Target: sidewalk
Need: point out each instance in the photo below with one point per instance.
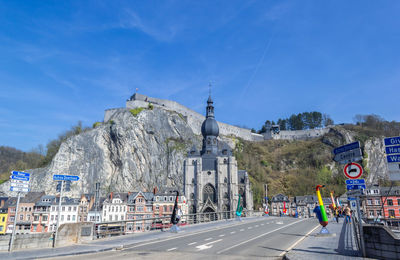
(341, 245)
(113, 243)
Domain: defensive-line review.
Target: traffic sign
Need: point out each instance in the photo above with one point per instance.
(393, 158)
(348, 156)
(19, 189)
(356, 187)
(20, 185)
(354, 193)
(65, 177)
(392, 149)
(353, 170)
(355, 182)
(20, 178)
(392, 140)
(18, 181)
(351, 198)
(24, 174)
(347, 147)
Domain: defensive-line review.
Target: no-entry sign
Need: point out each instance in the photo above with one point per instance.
(353, 170)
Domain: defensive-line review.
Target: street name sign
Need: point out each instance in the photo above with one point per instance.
(20, 178)
(392, 140)
(347, 147)
(355, 182)
(65, 177)
(353, 170)
(24, 174)
(356, 186)
(392, 150)
(348, 153)
(20, 185)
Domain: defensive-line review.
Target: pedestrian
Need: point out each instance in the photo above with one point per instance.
(347, 212)
(337, 215)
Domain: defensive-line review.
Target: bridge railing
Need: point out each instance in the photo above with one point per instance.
(115, 228)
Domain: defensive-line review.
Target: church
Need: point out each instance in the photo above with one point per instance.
(212, 180)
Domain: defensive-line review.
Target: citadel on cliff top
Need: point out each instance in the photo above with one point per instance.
(195, 121)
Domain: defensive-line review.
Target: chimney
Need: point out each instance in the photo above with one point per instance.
(155, 190)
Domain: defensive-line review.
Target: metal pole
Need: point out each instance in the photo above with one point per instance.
(59, 213)
(15, 224)
(360, 227)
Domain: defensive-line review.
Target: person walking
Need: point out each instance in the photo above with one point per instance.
(348, 215)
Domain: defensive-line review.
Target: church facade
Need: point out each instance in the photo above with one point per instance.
(212, 181)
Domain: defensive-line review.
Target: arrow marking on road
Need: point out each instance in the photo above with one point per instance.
(207, 245)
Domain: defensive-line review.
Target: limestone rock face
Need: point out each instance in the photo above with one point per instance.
(376, 161)
(127, 153)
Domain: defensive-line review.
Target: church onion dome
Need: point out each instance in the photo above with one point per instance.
(210, 127)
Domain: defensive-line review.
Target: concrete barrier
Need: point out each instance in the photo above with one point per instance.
(381, 242)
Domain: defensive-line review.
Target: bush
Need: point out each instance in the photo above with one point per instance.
(136, 111)
(150, 107)
(96, 124)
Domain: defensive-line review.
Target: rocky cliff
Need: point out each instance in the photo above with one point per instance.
(129, 152)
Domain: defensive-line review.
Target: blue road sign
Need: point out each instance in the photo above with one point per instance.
(65, 178)
(356, 181)
(356, 187)
(393, 158)
(20, 178)
(24, 174)
(392, 140)
(392, 149)
(347, 147)
(351, 198)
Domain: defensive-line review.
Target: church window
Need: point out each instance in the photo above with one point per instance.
(192, 180)
(194, 162)
(214, 141)
(225, 160)
(192, 196)
(225, 180)
(208, 141)
(209, 193)
(192, 210)
(226, 195)
(209, 172)
(224, 152)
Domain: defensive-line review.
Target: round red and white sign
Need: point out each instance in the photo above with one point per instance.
(353, 170)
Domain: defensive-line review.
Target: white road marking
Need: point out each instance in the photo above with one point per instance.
(233, 232)
(208, 239)
(256, 226)
(249, 228)
(221, 235)
(251, 239)
(171, 249)
(207, 245)
(262, 224)
(192, 243)
(298, 241)
(242, 229)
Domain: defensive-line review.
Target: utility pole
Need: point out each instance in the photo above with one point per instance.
(59, 213)
(15, 224)
(360, 227)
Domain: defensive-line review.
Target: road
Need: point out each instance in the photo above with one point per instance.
(263, 237)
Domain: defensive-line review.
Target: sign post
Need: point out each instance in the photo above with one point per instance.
(353, 170)
(62, 178)
(348, 153)
(20, 183)
(392, 151)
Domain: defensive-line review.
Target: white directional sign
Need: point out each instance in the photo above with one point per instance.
(19, 181)
(19, 189)
(353, 170)
(392, 150)
(354, 193)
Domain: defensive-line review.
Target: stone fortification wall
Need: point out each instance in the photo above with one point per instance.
(193, 118)
(195, 121)
(296, 134)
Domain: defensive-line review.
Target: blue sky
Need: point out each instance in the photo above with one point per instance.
(65, 61)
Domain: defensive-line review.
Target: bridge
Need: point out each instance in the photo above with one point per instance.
(250, 238)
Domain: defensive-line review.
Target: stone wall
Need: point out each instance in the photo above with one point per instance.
(296, 134)
(381, 242)
(69, 234)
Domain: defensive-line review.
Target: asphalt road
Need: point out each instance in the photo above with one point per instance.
(263, 237)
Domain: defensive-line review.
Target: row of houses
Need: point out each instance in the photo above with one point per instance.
(38, 212)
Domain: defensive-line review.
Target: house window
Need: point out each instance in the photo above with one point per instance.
(391, 213)
(369, 202)
(63, 208)
(157, 207)
(73, 217)
(398, 202)
(390, 202)
(68, 217)
(62, 217)
(371, 213)
(44, 218)
(170, 208)
(21, 217)
(377, 202)
(165, 208)
(69, 208)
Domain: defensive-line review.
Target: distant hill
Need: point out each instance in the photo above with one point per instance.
(14, 159)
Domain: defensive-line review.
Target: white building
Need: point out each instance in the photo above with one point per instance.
(69, 212)
(115, 207)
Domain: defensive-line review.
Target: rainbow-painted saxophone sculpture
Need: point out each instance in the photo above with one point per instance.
(323, 219)
(239, 208)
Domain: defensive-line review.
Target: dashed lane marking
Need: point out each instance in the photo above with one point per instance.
(256, 225)
(208, 239)
(174, 248)
(249, 228)
(222, 235)
(242, 229)
(192, 243)
(233, 232)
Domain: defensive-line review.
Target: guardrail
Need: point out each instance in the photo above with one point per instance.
(115, 228)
